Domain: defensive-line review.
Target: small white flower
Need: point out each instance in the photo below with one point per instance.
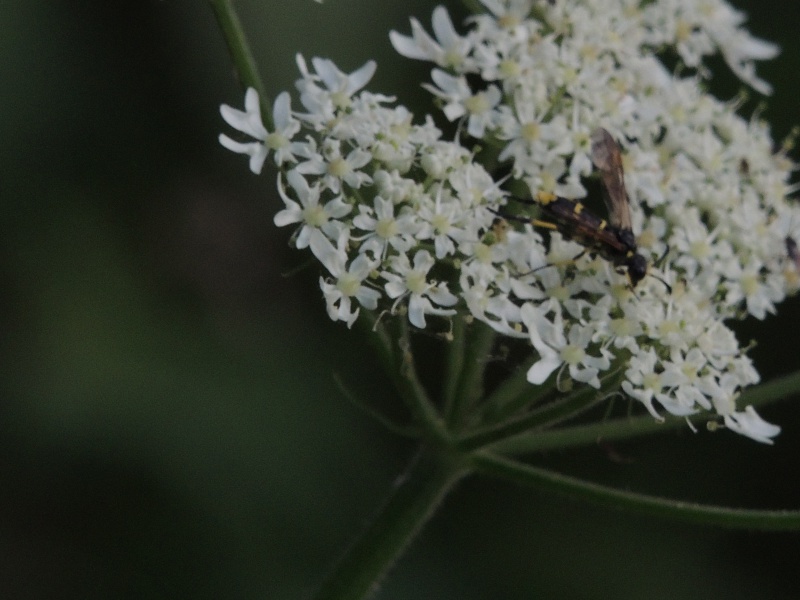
(349, 282)
(323, 102)
(461, 101)
(385, 229)
(556, 347)
(643, 381)
(286, 127)
(448, 50)
(309, 211)
(249, 122)
(413, 282)
(336, 167)
(439, 221)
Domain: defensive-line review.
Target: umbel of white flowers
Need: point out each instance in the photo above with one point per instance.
(402, 219)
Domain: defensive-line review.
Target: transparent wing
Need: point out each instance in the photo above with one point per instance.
(607, 159)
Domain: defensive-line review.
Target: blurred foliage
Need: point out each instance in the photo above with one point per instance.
(168, 420)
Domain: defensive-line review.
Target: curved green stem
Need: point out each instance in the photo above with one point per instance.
(423, 487)
(241, 55)
(511, 470)
(394, 351)
(411, 388)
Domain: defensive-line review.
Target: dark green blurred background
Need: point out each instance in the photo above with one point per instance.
(168, 423)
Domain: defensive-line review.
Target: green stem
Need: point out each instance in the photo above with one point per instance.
(585, 435)
(773, 390)
(456, 349)
(628, 428)
(558, 411)
(515, 393)
(411, 388)
(393, 348)
(423, 487)
(241, 55)
(511, 470)
(479, 341)
(376, 335)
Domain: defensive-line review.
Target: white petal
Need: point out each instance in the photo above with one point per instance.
(542, 369)
(288, 216)
(423, 261)
(406, 46)
(442, 297)
(748, 423)
(282, 111)
(327, 71)
(417, 307)
(361, 76)
(326, 253)
(443, 27)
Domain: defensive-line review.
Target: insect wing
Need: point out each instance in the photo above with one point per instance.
(793, 251)
(607, 159)
(577, 223)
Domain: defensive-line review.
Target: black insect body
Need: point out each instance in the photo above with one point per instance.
(612, 239)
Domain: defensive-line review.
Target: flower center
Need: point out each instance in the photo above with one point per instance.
(559, 292)
(441, 223)
(483, 253)
(340, 100)
(683, 30)
(348, 284)
(508, 21)
(749, 285)
(338, 167)
(652, 381)
(415, 282)
(386, 228)
(276, 141)
(477, 104)
(700, 250)
(531, 131)
(509, 68)
(690, 371)
(453, 58)
(315, 216)
(621, 327)
(667, 327)
(572, 355)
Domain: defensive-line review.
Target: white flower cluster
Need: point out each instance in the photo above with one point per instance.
(404, 220)
(378, 199)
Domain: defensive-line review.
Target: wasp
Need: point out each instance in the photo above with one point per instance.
(612, 239)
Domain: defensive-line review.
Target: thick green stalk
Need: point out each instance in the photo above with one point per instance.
(427, 481)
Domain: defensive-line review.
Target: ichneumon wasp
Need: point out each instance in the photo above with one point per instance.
(612, 239)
